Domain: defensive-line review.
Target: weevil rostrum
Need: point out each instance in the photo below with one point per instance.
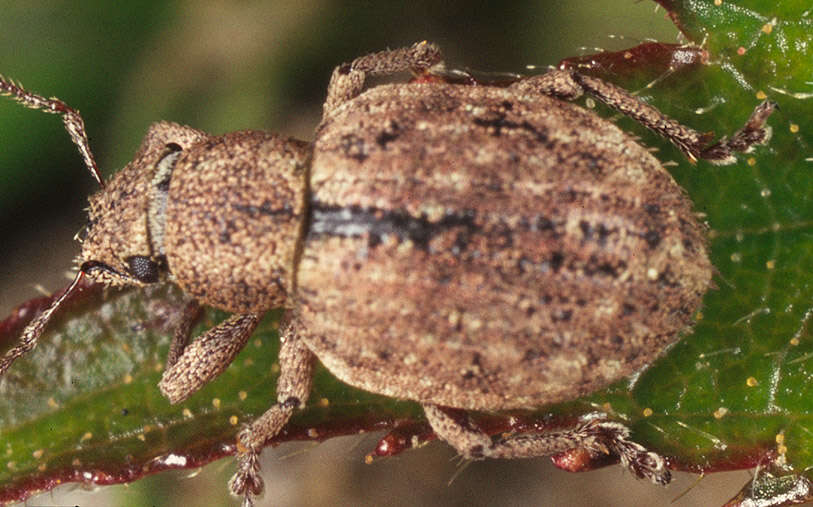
(466, 247)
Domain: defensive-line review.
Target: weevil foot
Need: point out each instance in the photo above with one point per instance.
(613, 438)
(293, 388)
(246, 482)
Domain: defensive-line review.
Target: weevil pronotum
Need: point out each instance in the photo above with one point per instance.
(466, 247)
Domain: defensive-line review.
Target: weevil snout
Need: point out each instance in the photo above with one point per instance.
(118, 248)
(123, 242)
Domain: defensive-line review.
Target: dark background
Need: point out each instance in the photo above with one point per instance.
(222, 66)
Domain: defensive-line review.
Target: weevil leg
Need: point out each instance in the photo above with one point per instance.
(207, 357)
(348, 79)
(569, 85)
(296, 363)
(597, 436)
(191, 313)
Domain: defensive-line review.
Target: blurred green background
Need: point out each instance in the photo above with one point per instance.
(222, 66)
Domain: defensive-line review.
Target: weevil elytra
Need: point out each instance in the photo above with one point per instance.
(465, 247)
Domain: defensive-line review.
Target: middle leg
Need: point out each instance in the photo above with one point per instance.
(296, 363)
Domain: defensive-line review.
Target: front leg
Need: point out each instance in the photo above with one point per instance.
(191, 313)
(348, 79)
(570, 85)
(296, 363)
(597, 436)
(206, 357)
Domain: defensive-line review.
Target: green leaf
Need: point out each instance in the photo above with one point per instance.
(736, 392)
(84, 405)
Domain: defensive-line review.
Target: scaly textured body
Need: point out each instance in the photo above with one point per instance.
(497, 259)
(464, 246)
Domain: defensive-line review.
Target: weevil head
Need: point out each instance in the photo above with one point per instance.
(123, 240)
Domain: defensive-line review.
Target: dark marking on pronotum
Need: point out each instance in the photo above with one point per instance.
(286, 210)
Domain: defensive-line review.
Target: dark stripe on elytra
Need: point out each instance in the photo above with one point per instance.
(375, 224)
(355, 221)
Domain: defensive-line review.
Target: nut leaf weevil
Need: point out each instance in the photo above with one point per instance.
(465, 247)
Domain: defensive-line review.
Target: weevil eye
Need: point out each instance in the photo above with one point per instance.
(143, 268)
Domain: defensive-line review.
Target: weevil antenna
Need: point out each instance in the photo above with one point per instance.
(34, 329)
(70, 117)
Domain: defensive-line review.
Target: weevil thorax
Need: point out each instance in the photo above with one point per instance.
(235, 217)
(123, 243)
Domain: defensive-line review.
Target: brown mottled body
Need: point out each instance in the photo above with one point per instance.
(471, 247)
(496, 260)
(230, 195)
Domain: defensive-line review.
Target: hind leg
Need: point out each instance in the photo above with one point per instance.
(597, 436)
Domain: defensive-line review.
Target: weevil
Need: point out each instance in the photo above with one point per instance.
(466, 247)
